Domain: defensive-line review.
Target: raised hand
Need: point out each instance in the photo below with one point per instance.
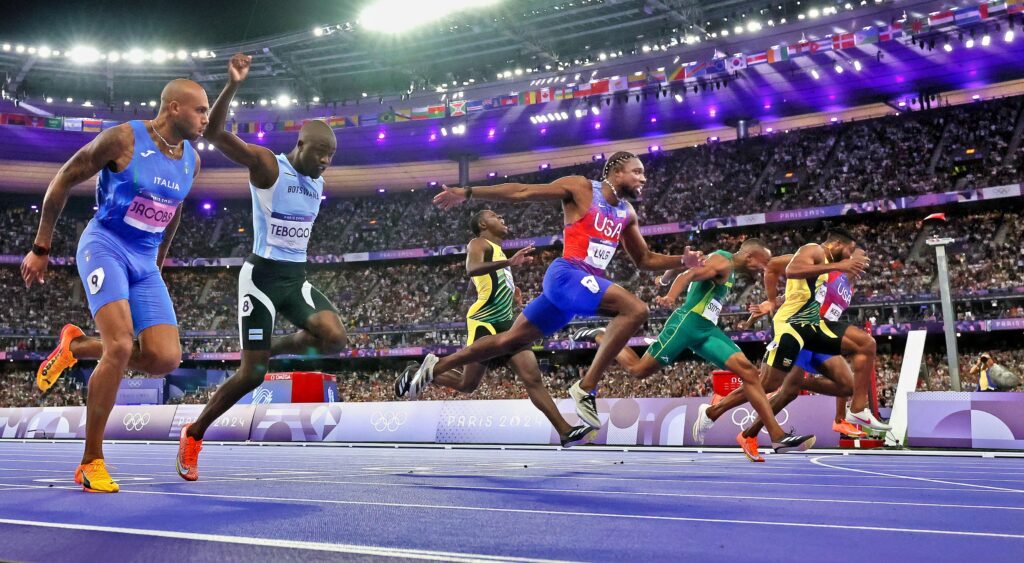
(692, 258)
(856, 264)
(521, 257)
(238, 67)
(450, 198)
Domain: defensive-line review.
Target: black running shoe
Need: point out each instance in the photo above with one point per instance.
(403, 381)
(586, 335)
(577, 435)
(793, 443)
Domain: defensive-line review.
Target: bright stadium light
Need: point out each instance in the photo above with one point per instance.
(114, 56)
(181, 54)
(135, 56)
(83, 55)
(397, 16)
(45, 52)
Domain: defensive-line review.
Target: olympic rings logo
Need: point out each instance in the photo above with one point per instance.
(745, 418)
(135, 421)
(390, 422)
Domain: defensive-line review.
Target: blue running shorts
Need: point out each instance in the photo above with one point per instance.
(112, 270)
(568, 291)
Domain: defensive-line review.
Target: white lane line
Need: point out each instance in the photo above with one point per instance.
(288, 544)
(817, 461)
(844, 527)
(640, 493)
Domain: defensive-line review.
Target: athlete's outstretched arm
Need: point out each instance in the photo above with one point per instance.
(642, 256)
(86, 163)
(475, 265)
(259, 160)
(565, 189)
(714, 266)
(809, 262)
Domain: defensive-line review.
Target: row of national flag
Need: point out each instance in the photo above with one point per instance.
(630, 83)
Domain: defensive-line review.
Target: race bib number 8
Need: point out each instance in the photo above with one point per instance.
(713, 309)
(599, 254)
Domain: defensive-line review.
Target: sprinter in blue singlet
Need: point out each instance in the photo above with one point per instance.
(145, 170)
(286, 191)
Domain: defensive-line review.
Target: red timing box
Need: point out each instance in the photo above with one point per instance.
(725, 382)
(307, 386)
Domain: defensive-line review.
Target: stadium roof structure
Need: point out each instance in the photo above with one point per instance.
(331, 57)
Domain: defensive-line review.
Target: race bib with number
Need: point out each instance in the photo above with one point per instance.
(712, 310)
(819, 295)
(150, 213)
(289, 231)
(833, 312)
(599, 253)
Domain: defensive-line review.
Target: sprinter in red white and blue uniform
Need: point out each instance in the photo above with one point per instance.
(597, 216)
(145, 169)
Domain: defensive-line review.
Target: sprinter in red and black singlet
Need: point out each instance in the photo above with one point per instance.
(598, 216)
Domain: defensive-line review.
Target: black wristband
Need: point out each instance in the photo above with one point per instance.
(40, 250)
(468, 191)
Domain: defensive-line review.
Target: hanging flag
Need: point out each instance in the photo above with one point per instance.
(759, 58)
(657, 77)
(560, 93)
(367, 119)
(599, 87)
(402, 114)
(618, 84)
(419, 113)
(995, 8)
(72, 123)
(474, 105)
(435, 112)
(527, 98)
(943, 18)
(55, 123)
(890, 32)
(867, 36)
(965, 16)
(695, 69)
(510, 100)
(636, 80)
(1014, 6)
(778, 53)
(385, 117)
(581, 90)
(844, 41)
(736, 62)
(678, 73)
(544, 96)
(716, 66)
(457, 108)
(917, 26)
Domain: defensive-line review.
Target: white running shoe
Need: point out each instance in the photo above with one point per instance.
(702, 424)
(423, 377)
(586, 405)
(866, 418)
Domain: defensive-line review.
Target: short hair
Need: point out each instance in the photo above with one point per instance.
(614, 161)
(840, 234)
(751, 243)
(474, 222)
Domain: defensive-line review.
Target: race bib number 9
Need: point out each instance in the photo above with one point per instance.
(599, 254)
(149, 213)
(713, 309)
(289, 231)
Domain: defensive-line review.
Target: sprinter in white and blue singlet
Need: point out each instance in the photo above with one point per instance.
(286, 191)
(597, 216)
(146, 169)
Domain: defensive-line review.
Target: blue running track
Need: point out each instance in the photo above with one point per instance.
(293, 503)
